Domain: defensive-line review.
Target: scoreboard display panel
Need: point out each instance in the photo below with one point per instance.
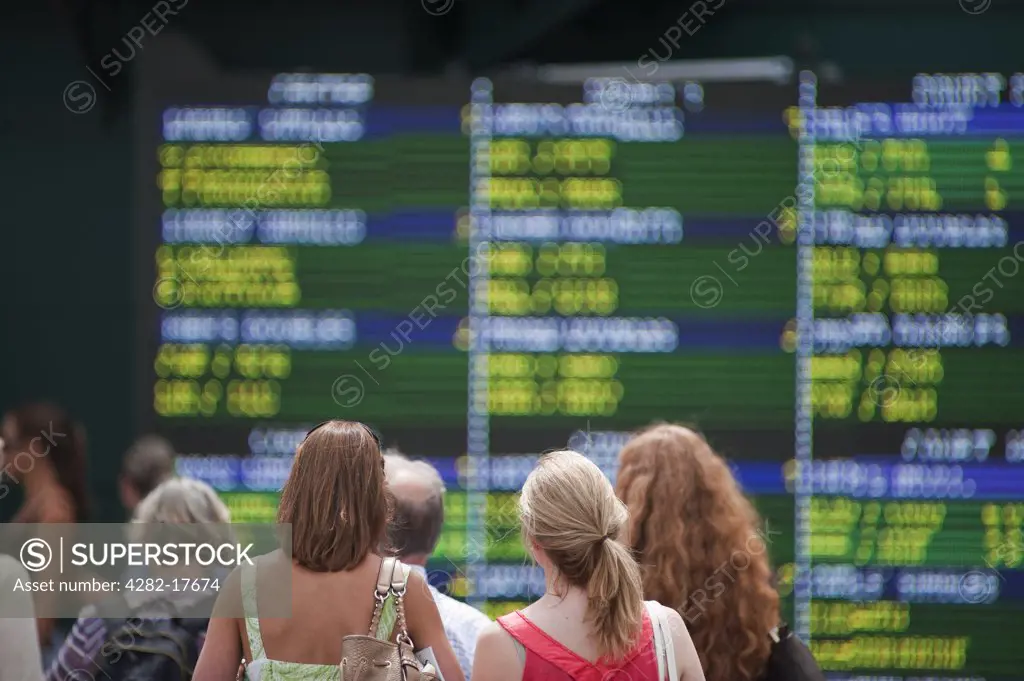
(480, 270)
(822, 279)
(290, 225)
(911, 242)
(641, 267)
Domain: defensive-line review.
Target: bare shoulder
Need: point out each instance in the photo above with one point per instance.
(493, 631)
(416, 589)
(675, 621)
(496, 658)
(421, 610)
(414, 578)
(496, 643)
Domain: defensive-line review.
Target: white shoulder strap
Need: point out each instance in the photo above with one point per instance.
(663, 645)
(670, 648)
(654, 612)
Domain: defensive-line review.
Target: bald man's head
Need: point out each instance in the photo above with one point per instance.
(418, 518)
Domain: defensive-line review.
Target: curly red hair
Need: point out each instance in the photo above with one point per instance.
(690, 525)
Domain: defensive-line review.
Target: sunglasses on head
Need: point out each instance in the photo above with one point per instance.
(373, 433)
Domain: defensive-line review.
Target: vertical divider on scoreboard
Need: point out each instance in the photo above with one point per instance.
(804, 413)
(478, 426)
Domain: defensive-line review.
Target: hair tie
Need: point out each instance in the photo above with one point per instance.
(602, 540)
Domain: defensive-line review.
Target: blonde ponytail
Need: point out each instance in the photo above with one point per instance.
(569, 509)
(615, 598)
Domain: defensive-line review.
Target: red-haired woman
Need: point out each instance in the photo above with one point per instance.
(696, 537)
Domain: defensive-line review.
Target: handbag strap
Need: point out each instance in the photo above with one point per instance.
(383, 589)
(654, 612)
(399, 581)
(663, 645)
(670, 648)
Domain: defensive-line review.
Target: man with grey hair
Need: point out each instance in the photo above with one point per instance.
(414, 533)
(148, 463)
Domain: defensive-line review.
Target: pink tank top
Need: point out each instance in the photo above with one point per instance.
(549, 660)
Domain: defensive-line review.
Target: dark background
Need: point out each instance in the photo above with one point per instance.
(67, 229)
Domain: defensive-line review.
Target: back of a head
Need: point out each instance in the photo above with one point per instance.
(63, 440)
(334, 498)
(417, 490)
(568, 508)
(182, 501)
(147, 463)
(689, 521)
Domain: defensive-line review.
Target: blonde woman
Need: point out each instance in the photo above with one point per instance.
(591, 623)
(177, 501)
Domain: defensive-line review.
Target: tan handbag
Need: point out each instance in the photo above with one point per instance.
(368, 658)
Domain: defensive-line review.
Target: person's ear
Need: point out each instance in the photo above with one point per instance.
(536, 552)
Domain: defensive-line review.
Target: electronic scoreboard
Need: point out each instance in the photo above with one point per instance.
(824, 280)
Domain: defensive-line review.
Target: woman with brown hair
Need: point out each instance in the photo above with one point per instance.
(336, 503)
(43, 453)
(44, 450)
(591, 624)
(697, 539)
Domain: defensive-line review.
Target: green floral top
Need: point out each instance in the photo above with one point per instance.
(262, 669)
